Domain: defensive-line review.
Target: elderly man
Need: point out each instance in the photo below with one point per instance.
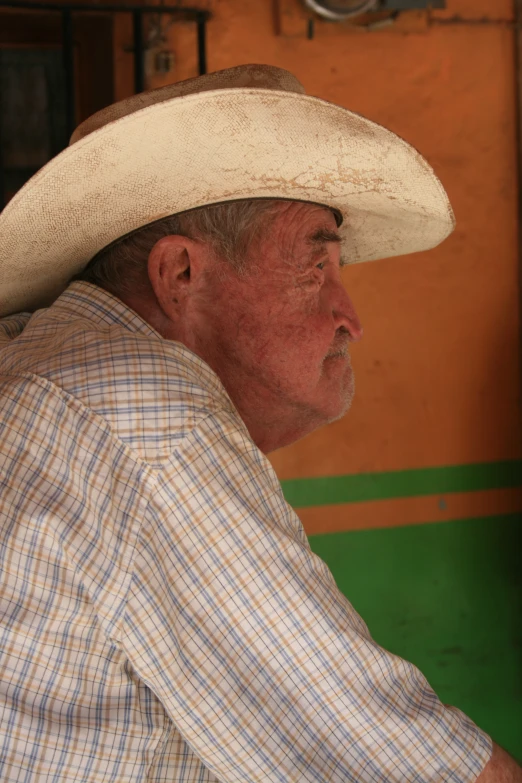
(162, 615)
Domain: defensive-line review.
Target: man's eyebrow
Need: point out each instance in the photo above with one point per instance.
(324, 235)
(318, 239)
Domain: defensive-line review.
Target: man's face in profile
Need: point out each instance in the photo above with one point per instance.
(279, 333)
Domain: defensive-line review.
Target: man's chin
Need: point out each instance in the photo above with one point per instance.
(345, 397)
(341, 410)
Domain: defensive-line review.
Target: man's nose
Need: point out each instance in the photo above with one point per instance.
(345, 314)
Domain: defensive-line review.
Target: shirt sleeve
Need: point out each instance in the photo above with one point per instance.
(264, 666)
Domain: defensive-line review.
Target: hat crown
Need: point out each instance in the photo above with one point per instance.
(266, 77)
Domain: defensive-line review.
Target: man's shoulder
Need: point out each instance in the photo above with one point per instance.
(151, 392)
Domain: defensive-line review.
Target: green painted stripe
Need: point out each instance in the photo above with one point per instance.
(402, 483)
(447, 597)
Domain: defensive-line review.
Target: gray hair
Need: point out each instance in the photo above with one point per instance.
(230, 228)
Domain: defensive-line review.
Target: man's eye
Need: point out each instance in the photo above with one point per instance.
(320, 265)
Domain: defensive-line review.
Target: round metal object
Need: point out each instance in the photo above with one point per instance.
(337, 13)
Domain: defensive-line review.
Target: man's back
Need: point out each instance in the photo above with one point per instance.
(74, 489)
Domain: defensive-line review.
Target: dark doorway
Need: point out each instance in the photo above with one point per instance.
(33, 112)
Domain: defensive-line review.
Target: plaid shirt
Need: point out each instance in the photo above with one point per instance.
(162, 617)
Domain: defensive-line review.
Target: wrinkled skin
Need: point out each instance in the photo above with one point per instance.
(278, 335)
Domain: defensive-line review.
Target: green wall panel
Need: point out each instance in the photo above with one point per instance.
(322, 490)
(448, 598)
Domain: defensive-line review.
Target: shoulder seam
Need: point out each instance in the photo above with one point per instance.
(73, 402)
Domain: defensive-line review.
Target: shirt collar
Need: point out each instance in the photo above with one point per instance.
(85, 300)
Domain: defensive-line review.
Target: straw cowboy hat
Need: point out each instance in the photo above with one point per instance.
(246, 132)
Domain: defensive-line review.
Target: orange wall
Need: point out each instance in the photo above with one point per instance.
(438, 371)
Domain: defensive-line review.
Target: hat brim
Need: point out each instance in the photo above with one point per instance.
(210, 147)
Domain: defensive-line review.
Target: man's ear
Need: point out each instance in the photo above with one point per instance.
(173, 263)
